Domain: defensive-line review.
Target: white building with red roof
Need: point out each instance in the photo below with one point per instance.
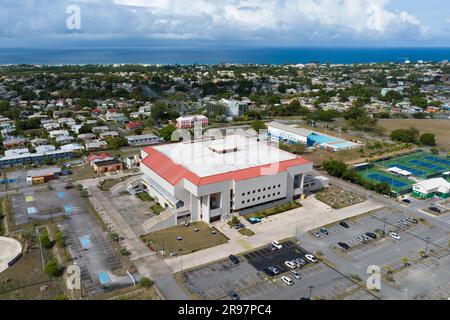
(216, 179)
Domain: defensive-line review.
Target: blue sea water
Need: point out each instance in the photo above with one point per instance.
(177, 55)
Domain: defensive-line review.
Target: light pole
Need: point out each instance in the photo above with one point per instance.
(310, 291)
(426, 248)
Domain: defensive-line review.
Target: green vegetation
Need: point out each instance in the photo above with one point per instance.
(339, 169)
(273, 211)
(115, 143)
(157, 209)
(45, 240)
(258, 125)
(146, 282)
(144, 196)
(246, 232)
(410, 135)
(52, 268)
(197, 236)
(166, 132)
(428, 139)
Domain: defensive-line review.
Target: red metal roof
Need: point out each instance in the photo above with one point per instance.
(174, 173)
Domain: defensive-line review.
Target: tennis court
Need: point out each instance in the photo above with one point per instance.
(398, 184)
(421, 164)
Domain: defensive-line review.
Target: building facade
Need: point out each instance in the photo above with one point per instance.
(214, 180)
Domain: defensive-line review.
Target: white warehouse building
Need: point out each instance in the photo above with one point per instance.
(216, 179)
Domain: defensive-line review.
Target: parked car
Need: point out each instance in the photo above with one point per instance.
(394, 236)
(238, 226)
(404, 222)
(434, 209)
(290, 264)
(277, 245)
(254, 220)
(360, 239)
(233, 295)
(296, 274)
(288, 281)
(269, 272)
(406, 201)
(343, 245)
(324, 231)
(317, 235)
(69, 186)
(274, 270)
(299, 262)
(272, 247)
(344, 224)
(366, 238)
(311, 258)
(412, 220)
(371, 235)
(234, 259)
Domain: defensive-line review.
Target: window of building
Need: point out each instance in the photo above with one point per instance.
(214, 201)
(297, 181)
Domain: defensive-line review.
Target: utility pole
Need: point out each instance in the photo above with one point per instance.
(426, 248)
(310, 291)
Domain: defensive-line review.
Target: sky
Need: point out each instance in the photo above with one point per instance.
(295, 23)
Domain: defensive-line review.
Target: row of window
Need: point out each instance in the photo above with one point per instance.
(259, 190)
(263, 197)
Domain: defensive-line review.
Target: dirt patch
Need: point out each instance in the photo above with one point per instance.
(441, 128)
(338, 198)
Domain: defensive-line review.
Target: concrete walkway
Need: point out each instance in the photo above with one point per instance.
(285, 225)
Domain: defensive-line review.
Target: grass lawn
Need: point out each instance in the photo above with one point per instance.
(246, 232)
(144, 196)
(82, 172)
(338, 198)
(157, 209)
(273, 211)
(25, 278)
(192, 241)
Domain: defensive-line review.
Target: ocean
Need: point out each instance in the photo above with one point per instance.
(183, 56)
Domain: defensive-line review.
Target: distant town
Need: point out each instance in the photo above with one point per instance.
(225, 182)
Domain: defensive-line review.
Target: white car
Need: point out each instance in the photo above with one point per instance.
(296, 274)
(290, 265)
(277, 245)
(311, 258)
(288, 281)
(394, 236)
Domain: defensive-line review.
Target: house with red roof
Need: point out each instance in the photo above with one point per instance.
(134, 125)
(212, 180)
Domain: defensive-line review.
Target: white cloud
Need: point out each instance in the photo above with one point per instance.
(216, 19)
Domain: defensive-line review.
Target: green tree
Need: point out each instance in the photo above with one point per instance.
(59, 239)
(335, 168)
(52, 268)
(258, 125)
(410, 135)
(428, 139)
(166, 132)
(146, 282)
(45, 241)
(116, 143)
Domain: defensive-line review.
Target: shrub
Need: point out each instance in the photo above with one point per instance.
(45, 241)
(52, 268)
(146, 283)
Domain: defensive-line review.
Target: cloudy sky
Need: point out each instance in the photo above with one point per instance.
(268, 22)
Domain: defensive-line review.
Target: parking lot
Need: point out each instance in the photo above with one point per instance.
(248, 280)
(86, 239)
(401, 260)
